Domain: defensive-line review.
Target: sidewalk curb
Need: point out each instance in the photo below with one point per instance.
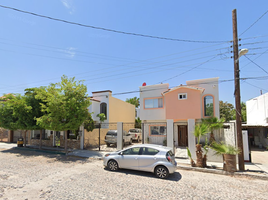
(221, 172)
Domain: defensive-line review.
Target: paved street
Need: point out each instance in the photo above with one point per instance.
(34, 175)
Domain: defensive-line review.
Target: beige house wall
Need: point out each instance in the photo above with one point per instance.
(121, 111)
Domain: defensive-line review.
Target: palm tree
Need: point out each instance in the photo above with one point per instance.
(199, 131)
(214, 124)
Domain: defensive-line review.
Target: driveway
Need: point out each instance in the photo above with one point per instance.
(260, 158)
(4, 145)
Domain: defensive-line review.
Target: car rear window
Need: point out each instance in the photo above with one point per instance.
(133, 131)
(170, 153)
(111, 133)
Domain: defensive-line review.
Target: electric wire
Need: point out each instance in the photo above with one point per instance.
(189, 69)
(256, 64)
(110, 30)
(254, 23)
(254, 85)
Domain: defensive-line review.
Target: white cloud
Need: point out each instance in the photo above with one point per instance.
(69, 52)
(69, 5)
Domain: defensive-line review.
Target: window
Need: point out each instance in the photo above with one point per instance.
(153, 103)
(149, 151)
(35, 134)
(208, 106)
(103, 109)
(132, 151)
(182, 96)
(158, 130)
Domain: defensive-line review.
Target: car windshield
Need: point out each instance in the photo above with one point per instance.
(111, 133)
(133, 131)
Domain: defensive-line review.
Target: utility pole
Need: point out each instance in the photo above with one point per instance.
(237, 94)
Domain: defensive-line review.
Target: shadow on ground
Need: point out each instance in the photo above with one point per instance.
(172, 177)
(28, 152)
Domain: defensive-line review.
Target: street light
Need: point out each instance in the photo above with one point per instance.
(241, 53)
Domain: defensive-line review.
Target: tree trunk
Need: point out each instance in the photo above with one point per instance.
(199, 156)
(230, 161)
(25, 138)
(205, 161)
(212, 138)
(224, 163)
(192, 163)
(66, 142)
(40, 142)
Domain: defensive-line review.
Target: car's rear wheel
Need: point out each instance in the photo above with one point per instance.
(112, 165)
(161, 172)
(108, 144)
(130, 142)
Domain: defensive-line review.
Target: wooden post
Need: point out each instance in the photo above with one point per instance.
(237, 94)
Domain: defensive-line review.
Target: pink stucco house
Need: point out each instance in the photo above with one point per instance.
(183, 104)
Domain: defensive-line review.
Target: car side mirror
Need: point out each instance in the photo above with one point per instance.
(121, 153)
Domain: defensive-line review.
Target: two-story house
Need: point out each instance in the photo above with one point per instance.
(158, 103)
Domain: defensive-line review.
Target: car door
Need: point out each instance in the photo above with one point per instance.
(128, 158)
(148, 158)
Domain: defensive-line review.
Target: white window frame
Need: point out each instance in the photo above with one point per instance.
(182, 96)
(155, 105)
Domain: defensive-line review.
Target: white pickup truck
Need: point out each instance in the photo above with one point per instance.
(136, 134)
(111, 138)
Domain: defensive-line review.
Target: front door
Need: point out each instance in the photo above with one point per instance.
(182, 135)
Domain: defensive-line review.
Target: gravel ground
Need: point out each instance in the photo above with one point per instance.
(34, 175)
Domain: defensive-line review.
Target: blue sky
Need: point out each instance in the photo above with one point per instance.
(37, 51)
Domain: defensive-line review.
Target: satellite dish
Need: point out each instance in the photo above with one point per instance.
(144, 84)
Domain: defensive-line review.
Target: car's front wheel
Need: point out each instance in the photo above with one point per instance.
(112, 165)
(161, 172)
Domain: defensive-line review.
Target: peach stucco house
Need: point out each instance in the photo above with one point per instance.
(158, 103)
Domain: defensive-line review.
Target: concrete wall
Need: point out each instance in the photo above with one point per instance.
(103, 97)
(3, 135)
(121, 111)
(257, 110)
(94, 109)
(152, 91)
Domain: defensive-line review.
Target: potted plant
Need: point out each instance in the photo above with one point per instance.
(229, 153)
(200, 130)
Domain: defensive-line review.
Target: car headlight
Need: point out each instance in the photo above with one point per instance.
(106, 155)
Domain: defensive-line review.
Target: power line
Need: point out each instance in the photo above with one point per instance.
(124, 65)
(254, 86)
(110, 30)
(189, 69)
(254, 22)
(256, 64)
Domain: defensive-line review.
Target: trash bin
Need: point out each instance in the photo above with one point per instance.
(20, 142)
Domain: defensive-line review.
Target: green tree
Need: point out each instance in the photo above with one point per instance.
(226, 111)
(36, 112)
(65, 106)
(17, 113)
(134, 101)
(243, 112)
(138, 123)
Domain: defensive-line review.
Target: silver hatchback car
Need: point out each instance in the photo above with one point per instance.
(144, 157)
